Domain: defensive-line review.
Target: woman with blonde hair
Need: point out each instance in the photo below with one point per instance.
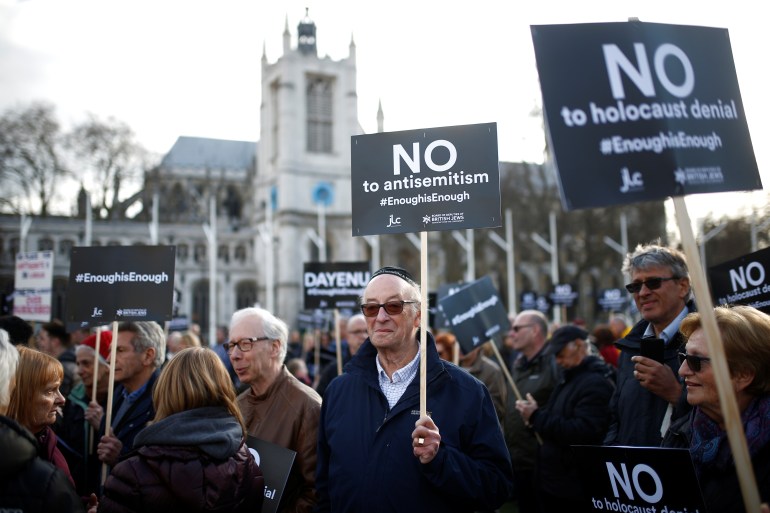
(36, 401)
(192, 457)
(746, 337)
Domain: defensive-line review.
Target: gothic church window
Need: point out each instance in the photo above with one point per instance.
(223, 253)
(200, 253)
(240, 253)
(319, 113)
(245, 294)
(200, 303)
(45, 244)
(181, 252)
(274, 90)
(65, 247)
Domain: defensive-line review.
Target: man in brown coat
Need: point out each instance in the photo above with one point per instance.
(276, 407)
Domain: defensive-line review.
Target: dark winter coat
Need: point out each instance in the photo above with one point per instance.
(636, 413)
(719, 484)
(576, 414)
(365, 455)
(537, 376)
(136, 418)
(73, 433)
(190, 461)
(28, 483)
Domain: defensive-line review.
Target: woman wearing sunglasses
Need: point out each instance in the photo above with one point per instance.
(746, 338)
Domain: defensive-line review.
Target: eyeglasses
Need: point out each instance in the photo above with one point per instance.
(520, 327)
(391, 308)
(244, 344)
(650, 283)
(359, 332)
(695, 362)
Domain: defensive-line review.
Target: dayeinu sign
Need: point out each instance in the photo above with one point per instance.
(425, 180)
(642, 111)
(334, 285)
(120, 283)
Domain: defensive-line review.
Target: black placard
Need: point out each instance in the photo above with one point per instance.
(334, 285)
(643, 479)
(120, 283)
(444, 290)
(531, 300)
(275, 462)
(613, 300)
(475, 314)
(564, 294)
(315, 319)
(642, 111)
(743, 281)
(432, 179)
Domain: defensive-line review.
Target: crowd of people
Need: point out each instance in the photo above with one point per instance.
(490, 431)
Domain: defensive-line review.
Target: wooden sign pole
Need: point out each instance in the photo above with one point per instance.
(423, 322)
(94, 385)
(509, 378)
(727, 401)
(316, 356)
(339, 340)
(96, 362)
(110, 390)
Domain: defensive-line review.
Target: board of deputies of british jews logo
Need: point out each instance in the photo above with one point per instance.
(132, 312)
(450, 217)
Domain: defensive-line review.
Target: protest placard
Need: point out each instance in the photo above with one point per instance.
(612, 300)
(32, 286)
(334, 285)
(743, 281)
(638, 479)
(641, 111)
(431, 179)
(275, 462)
(475, 314)
(649, 111)
(564, 294)
(120, 283)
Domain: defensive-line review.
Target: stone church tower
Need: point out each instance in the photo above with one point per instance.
(302, 186)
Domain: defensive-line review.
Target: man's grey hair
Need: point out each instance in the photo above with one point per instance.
(646, 256)
(147, 334)
(539, 319)
(356, 317)
(274, 328)
(9, 360)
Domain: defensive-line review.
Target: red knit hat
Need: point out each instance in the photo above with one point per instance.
(104, 344)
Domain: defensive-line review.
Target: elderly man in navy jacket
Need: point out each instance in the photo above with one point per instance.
(375, 452)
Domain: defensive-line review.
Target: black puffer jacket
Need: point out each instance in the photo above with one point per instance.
(27, 483)
(190, 461)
